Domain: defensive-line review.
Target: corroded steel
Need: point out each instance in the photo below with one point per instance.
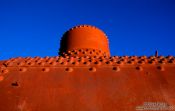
(85, 37)
(86, 79)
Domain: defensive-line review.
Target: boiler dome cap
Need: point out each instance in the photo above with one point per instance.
(84, 37)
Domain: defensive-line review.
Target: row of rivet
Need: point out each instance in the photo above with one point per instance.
(122, 60)
(70, 62)
(70, 69)
(113, 58)
(84, 52)
(116, 57)
(110, 59)
(81, 26)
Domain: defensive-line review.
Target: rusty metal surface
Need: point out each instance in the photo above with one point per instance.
(85, 37)
(86, 78)
(85, 84)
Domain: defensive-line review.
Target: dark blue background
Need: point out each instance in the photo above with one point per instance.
(134, 27)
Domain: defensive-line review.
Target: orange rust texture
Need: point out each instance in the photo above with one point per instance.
(83, 37)
(85, 78)
(86, 83)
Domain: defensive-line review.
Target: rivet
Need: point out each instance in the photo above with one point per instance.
(4, 71)
(162, 61)
(141, 62)
(131, 62)
(23, 69)
(53, 63)
(97, 63)
(45, 69)
(83, 52)
(122, 59)
(37, 61)
(109, 62)
(86, 63)
(116, 57)
(9, 64)
(171, 61)
(1, 78)
(64, 63)
(133, 59)
(80, 50)
(27, 61)
(41, 63)
(95, 57)
(86, 57)
(59, 60)
(113, 60)
(120, 62)
(69, 69)
(161, 68)
(93, 69)
(31, 63)
(75, 63)
(20, 63)
(15, 84)
(90, 60)
(151, 62)
(101, 60)
(68, 60)
(139, 68)
(116, 69)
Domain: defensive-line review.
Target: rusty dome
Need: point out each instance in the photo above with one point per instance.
(84, 38)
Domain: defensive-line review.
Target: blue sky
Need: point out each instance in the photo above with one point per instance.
(134, 27)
